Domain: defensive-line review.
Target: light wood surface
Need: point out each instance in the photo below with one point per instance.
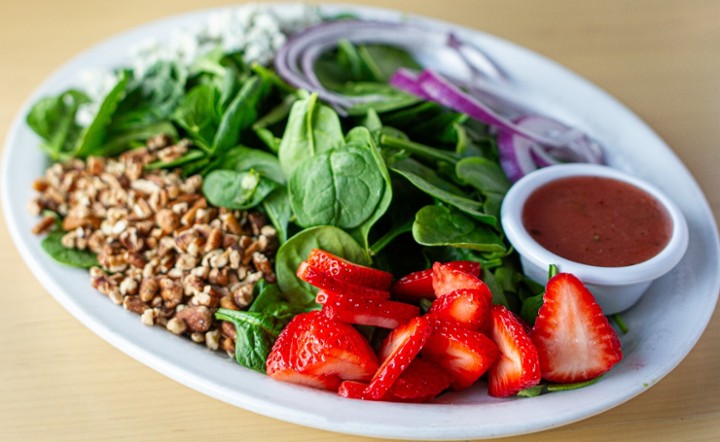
(59, 381)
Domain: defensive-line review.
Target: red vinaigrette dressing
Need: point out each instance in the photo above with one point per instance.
(597, 221)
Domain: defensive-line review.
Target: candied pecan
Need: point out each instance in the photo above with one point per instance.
(197, 318)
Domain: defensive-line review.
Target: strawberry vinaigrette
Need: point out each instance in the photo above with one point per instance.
(597, 221)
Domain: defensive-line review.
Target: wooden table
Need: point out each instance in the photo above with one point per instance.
(59, 381)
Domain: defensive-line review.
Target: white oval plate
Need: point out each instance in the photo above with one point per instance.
(658, 340)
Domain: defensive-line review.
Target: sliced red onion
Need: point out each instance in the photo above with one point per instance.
(526, 141)
(296, 59)
(520, 155)
(407, 81)
(516, 157)
(444, 92)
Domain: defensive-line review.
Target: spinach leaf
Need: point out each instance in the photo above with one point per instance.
(361, 137)
(236, 190)
(312, 129)
(53, 119)
(243, 159)
(441, 226)
(438, 188)
(257, 328)
(151, 98)
(239, 115)
(264, 125)
(94, 136)
(297, 248)
(52, 245)
(482, 174)
(341, 187)
(278, 209)
(199, 115)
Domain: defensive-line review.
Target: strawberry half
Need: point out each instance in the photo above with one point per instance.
(397, 351)
(419, 285)
(447, 279)
(315, 350)
(464, 354)
(345, 270)
(355, 309)
(321, 280)
(468, 307)
(518, 366)
(574, 339)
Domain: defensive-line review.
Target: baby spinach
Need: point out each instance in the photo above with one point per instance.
(442, 226)
(257, 328)
(150, 98)
(239, 115)
(278, 209)
(361, 136)
(484, 175)
(53, 119)
(438, 188)
(341, 187)
(312, 129)
(94, 136)
(296, 249)
(52, 245)
(236, 190)
(199, 115)
(243, 159)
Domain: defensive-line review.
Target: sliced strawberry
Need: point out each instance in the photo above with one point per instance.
(397, 351)
(574, 339)
(355, 309)
(419, 285)
(354, 390)
(323, 281)
(313, 344)
(422, 381)
(331, 383)
(464, 354)
(468, 307)
(518, 366)
(447, 279)
(345, 270)
(414, 286)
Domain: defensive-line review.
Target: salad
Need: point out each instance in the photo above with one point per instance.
(198, 182)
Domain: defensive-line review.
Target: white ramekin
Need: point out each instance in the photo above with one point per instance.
(615, 288)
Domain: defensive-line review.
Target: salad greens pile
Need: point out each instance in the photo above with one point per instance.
(397, 184)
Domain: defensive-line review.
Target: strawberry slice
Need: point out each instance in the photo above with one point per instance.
(464, 354)
(331, 383)
(419, 285)
(345, 270)
(447, 279)
(414, 286)
(323, 281)
(397, 351)
(574, 339)
(422, 381)
(518, 366)
(468, 307)
(355, 309)
(316, 350)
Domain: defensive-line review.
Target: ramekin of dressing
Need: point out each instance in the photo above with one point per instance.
(613, 231)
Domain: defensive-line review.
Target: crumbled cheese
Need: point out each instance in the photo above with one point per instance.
(255, 31)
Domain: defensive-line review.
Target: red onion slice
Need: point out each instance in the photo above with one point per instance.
(295, 61)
